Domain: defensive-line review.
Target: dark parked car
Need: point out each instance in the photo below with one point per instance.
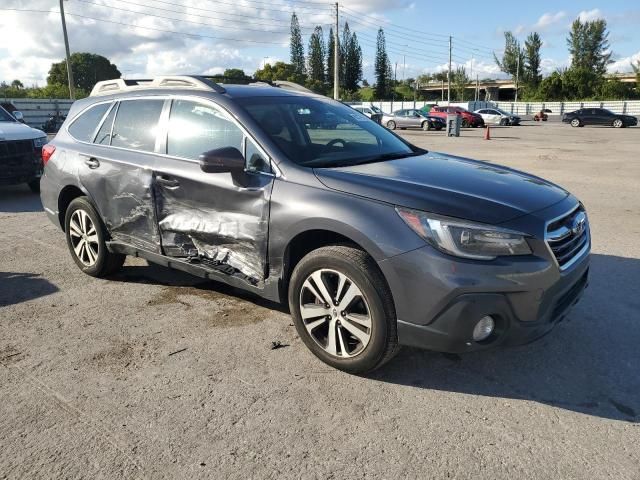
(412, 118)
(598, 116)
(372, 242)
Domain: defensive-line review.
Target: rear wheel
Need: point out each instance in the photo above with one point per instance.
(342, 309)
(617, 123)
(86, 235)
(391, 125)
(575, 122)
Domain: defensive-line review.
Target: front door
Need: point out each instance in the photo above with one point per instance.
(117, 171)
(219, 221)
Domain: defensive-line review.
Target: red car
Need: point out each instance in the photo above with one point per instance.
(469, 119)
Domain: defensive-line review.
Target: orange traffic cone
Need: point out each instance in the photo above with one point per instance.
(487, 132)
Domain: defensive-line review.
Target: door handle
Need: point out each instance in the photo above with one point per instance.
(167, 181)
(92, 163)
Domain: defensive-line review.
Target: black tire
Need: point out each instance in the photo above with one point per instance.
(576, 123)
(617, 123)
(361, 268)
(34, 185)
(465, 123)
(106, 262)
(391, 125)
(504, 122)
(426, 126)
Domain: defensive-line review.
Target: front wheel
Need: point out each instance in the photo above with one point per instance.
(575, 122)
(426, 126)
(465, 124)
(86, 235)
(343, 310)
(391, 125)
(617, 123)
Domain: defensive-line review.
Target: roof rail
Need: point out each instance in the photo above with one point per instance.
(201, 82)
(107, 87)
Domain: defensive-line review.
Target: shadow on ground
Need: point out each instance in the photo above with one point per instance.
(20, 287)
(158, 275)
(590, 364)
(19, 198)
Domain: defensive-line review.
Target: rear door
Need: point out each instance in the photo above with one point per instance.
(219, 221)
(117, 171)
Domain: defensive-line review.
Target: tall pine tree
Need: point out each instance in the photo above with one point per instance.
(382, 68)
(297, 50)
(331, 42)
(589, 46)
(317, 53)
(532, 46)
(351, 60)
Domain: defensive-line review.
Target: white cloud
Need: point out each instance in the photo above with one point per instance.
(623, 65)
(549, 19)
(590, 15)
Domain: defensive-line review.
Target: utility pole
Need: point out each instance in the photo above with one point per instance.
(449, 75)
(477, 88)
(517, 75)
(72, 90)
(336, 60)
(393, 92)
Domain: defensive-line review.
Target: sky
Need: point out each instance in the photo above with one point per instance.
(150, 37)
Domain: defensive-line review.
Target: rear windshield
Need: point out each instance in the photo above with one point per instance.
(318, 132)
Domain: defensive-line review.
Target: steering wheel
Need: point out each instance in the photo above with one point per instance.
(337, 140)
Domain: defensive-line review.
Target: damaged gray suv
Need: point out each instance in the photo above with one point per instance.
(373, 242)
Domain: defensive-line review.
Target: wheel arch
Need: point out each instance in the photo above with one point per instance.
(305, 241)
(67, 195)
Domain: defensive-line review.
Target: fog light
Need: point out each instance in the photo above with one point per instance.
(483, 329)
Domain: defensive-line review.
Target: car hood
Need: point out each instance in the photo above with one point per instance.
(18, 131)
(447, 185)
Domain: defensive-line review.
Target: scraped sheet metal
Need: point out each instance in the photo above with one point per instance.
(218, 239)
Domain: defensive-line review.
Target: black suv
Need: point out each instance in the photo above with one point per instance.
(373, 242)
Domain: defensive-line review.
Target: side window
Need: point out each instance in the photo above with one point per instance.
(104, 134)
(85, 125)
(195, 128)
(256, 160)
(136, 124)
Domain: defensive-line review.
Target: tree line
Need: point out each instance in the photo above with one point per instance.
(585, 78)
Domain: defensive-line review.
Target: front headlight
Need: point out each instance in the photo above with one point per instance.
(465, 239)
(39, 142)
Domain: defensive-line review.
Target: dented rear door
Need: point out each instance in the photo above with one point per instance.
(117, 172)
(219, 221)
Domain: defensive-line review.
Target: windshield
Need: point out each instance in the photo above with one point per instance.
(6, 116)
(318, 132)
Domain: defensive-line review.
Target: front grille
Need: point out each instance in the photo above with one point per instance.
(568, 236)
(17, 158)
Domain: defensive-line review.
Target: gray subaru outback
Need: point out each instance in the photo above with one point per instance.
(373, 242)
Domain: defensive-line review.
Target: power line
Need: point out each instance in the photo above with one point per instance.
(193, 35)
(181, 19)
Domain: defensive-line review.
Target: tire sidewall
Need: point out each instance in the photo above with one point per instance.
(82, 203)
(391, 125)
(376, 347)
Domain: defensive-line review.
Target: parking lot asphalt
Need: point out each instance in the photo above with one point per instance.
(156, 374)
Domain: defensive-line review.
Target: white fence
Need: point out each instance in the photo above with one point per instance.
(628, 107)
(37, 110)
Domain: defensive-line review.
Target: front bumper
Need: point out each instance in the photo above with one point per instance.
(19, 162)
(440, 298)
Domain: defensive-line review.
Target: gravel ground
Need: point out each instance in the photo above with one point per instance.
(156, 374)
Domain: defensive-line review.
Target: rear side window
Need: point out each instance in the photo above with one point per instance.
(85, 125)
(195, 128)
(136, 124)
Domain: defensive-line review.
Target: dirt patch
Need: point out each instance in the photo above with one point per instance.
(227, 310)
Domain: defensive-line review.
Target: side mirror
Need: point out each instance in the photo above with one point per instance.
(18, 116)
(222, 160)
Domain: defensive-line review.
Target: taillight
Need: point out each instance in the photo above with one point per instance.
(47, 151)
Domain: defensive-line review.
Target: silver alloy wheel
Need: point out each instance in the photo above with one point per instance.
(617, 123)
(335, 313)
(84, 237)
(575, 122)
